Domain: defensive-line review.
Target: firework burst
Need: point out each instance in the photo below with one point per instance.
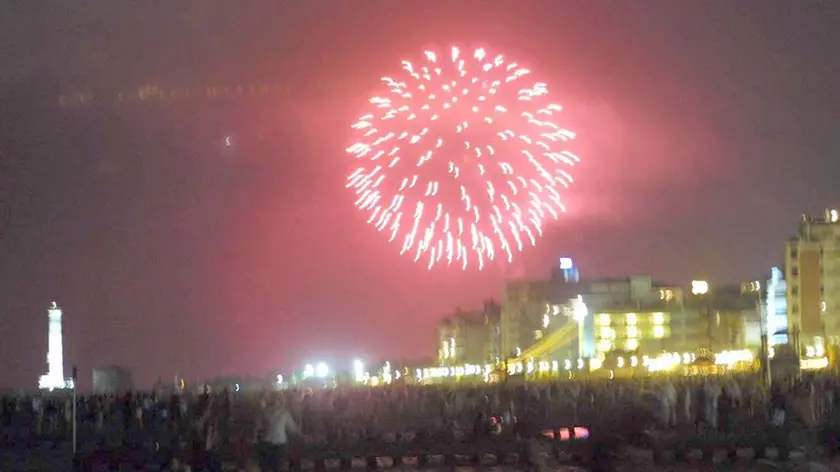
(460, 160)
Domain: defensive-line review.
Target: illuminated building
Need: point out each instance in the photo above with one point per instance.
(566, 270)
(635, 291)
(586, 328)
(531, 309)
(523, 315)
(776, 310)
(623, 311)
(534, 311)
(770, 315)
(493, 322)
(625, 297)
(637, 315)
(628, 314)
(812, 271)
(54, 378)
(717, 318)
(644, 332)
(467, 337)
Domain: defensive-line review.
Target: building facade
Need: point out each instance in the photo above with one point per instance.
(644, 332)
(493, 322)
(112, 380)
(776, 308)
(523, 310)
(812, 271)
(471, 337)
(630, 314)
(640, 316)
(720, 319)
(633, 315)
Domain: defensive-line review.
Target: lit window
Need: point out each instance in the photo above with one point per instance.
(604, 319)
(631, 344)
(630, 319)
(658, 318)
(632, 332)
(607, 333)
(538, 334)
(658, 332)
(605, 345)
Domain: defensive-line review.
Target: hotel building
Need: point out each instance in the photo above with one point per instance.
(812, 271)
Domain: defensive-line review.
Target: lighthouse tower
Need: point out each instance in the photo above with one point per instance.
(54, 378)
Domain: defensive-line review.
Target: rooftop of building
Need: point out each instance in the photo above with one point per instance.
(638, 308)
(469, 316)
(626, 280)
(830, 216)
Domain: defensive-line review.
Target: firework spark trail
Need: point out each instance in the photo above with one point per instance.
(471, 124)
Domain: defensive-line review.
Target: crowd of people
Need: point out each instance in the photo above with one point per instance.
(195, 430)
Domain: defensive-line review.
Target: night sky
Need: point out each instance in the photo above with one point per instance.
(705, 130)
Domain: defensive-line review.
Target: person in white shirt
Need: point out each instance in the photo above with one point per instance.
(278, 425)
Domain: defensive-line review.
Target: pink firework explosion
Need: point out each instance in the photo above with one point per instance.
(460, 159)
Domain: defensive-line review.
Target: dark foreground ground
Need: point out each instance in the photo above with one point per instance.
(49, 456)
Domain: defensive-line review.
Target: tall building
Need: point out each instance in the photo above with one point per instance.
(812, 271)
(631, 332)
(523, 311)
(776, 308)
(610, 314)
(636, 314)
(630, 314)
(727, 312)
(531, 309)
(54, 378)
(493, 321)
(470, 337)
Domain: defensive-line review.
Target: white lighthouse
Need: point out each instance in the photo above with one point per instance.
(54, 378)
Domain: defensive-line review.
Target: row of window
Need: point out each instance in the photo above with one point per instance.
(794, 308)
(632, 332)
(794, 289)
